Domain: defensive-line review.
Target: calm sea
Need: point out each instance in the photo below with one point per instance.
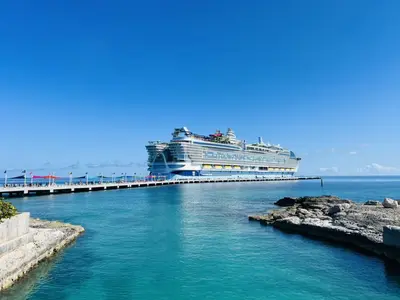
(195, 242)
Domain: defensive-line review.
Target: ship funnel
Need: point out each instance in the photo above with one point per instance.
(260, 140)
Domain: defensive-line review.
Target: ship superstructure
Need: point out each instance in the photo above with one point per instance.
(218, 154)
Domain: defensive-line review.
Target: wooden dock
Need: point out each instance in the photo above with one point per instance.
(23, 191)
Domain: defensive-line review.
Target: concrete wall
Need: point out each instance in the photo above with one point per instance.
(391, 236)
(14, 227)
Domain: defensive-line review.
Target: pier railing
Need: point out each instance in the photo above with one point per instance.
(26, 190)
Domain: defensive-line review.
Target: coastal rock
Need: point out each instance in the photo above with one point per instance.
(337, 208)
(372, 202)
(343, 221)
(286, 201)
(255, 218)
(303, 212)
(290, 220)
(334, 209)
(390, 203)
(321, 203)
(326, 217)
(338, 215)
(345, 206)
(325, 199)
(391, 236)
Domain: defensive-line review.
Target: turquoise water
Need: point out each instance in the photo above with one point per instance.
(195, 242)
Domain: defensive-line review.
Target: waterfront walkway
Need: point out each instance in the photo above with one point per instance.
(21, 191)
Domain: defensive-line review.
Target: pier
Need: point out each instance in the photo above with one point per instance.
(27, 190)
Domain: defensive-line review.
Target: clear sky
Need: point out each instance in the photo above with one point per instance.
(85, 84)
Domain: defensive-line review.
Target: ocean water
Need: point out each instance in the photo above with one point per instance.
(195, 242)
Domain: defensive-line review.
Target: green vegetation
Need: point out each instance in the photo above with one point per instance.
(7, 210)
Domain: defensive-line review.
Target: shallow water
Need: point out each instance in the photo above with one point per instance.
(195, 242)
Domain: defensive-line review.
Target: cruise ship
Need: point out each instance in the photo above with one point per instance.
(218, 155)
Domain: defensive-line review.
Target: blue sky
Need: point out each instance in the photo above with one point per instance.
(85, 84)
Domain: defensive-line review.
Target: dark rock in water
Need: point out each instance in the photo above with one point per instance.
(287, 201)
(372, 202)
(340, 220)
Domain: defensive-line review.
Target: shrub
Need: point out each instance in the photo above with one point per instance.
(7, 210)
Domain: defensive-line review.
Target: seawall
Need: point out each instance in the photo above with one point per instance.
(25, 242)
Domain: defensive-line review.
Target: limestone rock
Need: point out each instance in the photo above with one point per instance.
(340, 214)
(255, 218)
(323, 200)
(391, 236)
(372, 202)
(286, 201)
(291, 220)
(390, 203)
(345, 206)
(338, 208)
(303, 211)
(327, 218)
(343, 221)
(334, 209)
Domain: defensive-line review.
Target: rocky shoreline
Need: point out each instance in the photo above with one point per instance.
(373, 226)
(42, 240)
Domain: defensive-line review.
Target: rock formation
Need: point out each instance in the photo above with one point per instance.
(373, 202)
(390, 203)
(24, 242)
(341, 220)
